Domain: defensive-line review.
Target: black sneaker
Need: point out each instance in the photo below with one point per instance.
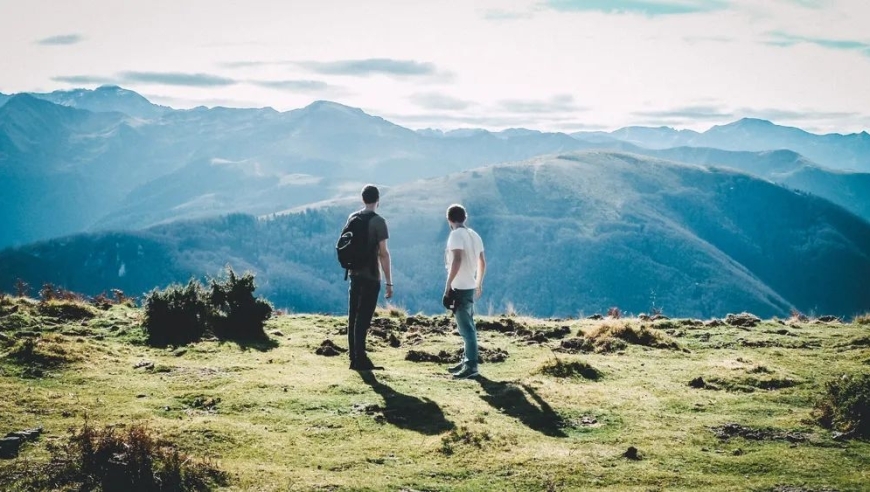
(366, 365)
(466, 373)
(456, 368)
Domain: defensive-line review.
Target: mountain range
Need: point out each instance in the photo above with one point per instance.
(566, 234)
(124, 193)
(88, 160)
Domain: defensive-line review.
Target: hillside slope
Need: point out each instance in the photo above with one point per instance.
(566, 234)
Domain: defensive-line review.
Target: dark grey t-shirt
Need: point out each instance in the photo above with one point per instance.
(377, 233)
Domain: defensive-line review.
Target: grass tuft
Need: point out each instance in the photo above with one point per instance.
(109, 459)
(606, 337)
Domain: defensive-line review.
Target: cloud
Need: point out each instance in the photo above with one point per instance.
(782, 39)
(83, 79)
(434, 100)
(61, 40)
(372, 66)
(810, 4)
(561, 103)
(292, 85)
(791, 115)
(254, 63)
(687, 112)
(644, 7)
(505, 15)
(176, 78)
(442, 119)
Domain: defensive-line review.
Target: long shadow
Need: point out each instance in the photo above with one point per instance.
(409, 412)
(510, 399)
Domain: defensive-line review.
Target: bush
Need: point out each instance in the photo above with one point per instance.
(236, 314)
(863, 319)
(177, 315)
(106, 459)
(183, 314)
(846, 405)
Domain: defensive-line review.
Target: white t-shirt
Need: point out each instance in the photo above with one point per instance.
(471, 245)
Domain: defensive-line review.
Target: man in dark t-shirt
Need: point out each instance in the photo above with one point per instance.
(365, 283)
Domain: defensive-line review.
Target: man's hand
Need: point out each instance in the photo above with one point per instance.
(389, 293)
(478, 292)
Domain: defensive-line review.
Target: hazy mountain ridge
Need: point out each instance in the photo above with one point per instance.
(111, 170)
(835, 151)
(564, 234)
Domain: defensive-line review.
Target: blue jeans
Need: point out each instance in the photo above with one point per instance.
(465, 324)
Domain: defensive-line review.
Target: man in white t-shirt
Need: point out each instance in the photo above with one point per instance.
(466, 266)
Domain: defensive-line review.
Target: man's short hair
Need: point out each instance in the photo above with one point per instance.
(456, 213)
(370, 194)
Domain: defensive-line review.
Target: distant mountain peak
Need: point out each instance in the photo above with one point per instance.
(753, 122)
(103, 99)
(323, 105)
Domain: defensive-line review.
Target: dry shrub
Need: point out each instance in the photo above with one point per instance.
(109, 459)
(799, 316)
(607, 336)
(862, 319)
(614, 313)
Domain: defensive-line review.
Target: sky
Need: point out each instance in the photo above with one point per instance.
(552, 65)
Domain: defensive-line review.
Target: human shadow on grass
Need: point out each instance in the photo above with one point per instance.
(510, 399)
(409, 412)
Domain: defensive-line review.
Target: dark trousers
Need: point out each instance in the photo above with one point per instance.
(362, 300)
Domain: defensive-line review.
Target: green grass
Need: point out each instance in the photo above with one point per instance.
(278, 417)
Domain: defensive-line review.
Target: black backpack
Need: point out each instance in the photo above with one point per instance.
(353, 249)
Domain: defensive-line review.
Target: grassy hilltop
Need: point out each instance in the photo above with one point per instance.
(559, 405)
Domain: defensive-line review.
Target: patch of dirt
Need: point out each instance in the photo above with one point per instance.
(750, 384)
(798, 488)
(803, 344)
(744, 320)
(442, 357)
(485, 355)
(699, 383)
(329, 349)
(373, 410)
(575, 345)
(727, 431)
(830, 319)
(424, 325)
(713, 323)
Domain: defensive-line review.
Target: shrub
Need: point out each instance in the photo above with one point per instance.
(846, 405)
(183, 314)
(108, 459)
(236, 314)
(614, 313)
(863, 319)
(22, 288)
(177, 315)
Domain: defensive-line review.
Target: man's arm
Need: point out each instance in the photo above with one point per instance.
(454, 268)
(384, 257)
(481, 271)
